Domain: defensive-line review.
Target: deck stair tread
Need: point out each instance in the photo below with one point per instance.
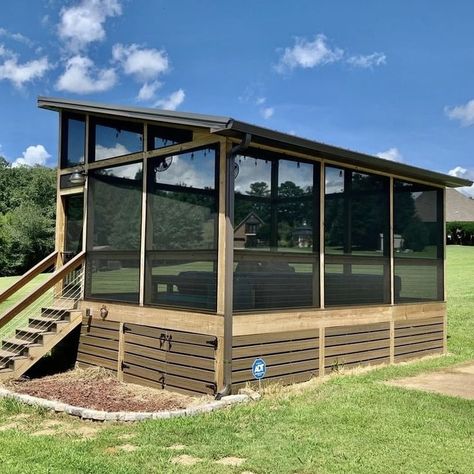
(4, 354)
(18, 342)
(46, 319)
(28, 329)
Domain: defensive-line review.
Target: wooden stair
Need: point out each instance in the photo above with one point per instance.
(32, 342)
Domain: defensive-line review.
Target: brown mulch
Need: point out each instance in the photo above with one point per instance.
(99, 389)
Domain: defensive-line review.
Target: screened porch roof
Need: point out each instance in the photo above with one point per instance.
(230, 127)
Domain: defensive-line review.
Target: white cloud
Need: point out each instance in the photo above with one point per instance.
(308, 54)
(260, 100)
(103, 152)
(267, 112)
(464, 173)
(19, 74)
(368, 61)
(82, 77)
(173, 101)
(16, 36)
(392, 154)
(33, 155)
(143, 63)
(83, 24)
(148, 90)
(463, 113)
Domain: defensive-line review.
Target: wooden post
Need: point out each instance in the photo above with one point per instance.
(121, 352)
(219, 364)
(392, 340)
(322, 224)
(392, 243)
(143, 242)
(322, 351)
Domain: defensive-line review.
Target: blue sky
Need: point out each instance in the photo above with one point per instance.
(389, 78)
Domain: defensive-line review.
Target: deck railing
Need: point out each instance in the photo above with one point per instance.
(69, 278)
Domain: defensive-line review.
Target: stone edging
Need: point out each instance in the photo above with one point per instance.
(96, 415)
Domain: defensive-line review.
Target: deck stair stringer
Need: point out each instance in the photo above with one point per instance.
(32, 342)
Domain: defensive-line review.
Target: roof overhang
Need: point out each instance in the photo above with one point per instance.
(229, 127)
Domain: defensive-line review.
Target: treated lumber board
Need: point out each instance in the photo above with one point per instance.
(414, 330)
(353, 338)
(360, 347)
(97, 361)
(357, 329)
(200, 323)
(282, 380)
(433, 336)
(274, 337)
(418, 354)
(357, 357)
(419, 347)
(283, 358)
(275, 348)
(99, 342)
(98, 332)
(93, 323)
(176, 347)
(98, 351)
(363, 363)
(418, 323)
(176, 336)
(278, 370)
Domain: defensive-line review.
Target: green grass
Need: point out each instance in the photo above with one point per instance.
(349, 424)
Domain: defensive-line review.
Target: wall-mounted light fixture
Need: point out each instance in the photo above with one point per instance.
(78, 177)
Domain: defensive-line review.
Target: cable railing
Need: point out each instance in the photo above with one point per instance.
(56, 303)
(46, 264)
(59, 293)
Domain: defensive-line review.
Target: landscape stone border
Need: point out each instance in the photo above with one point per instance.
(98, 415)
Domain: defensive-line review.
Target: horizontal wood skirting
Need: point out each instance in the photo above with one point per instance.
(201, 323)
(98, 344)
(263, 323)
(418, 337)
(286, 354)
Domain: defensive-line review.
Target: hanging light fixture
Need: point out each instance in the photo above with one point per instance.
(77, 177)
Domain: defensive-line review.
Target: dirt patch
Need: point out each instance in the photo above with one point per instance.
(185, 460)
(456, 381)
(99, 389)
(177, 447)
(9, 426)
(129, 448)
(231, 461)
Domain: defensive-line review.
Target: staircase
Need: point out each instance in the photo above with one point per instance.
(31, 328)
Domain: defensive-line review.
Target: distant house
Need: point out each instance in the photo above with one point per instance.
(459, 207)
(246, 231)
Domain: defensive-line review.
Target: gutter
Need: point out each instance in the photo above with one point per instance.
(229, 282)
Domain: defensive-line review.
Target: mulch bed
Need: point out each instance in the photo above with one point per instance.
(98, 389)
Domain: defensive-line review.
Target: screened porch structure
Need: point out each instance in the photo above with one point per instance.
(211, 242)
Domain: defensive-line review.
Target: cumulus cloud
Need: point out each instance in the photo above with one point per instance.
(33, 155)
(18, 74)
(465, 173)
(267, 112)
(308, 54)
(83, 24)
(81, 76)
(148, 91)
(143, 63)
(260, 100)
(173, 101)
(368, 61)
(392, 154)
(464, 113)
(103, 152)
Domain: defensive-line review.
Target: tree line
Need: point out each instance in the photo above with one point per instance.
(27, 216)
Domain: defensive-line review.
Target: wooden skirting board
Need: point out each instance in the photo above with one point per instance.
(183, 351)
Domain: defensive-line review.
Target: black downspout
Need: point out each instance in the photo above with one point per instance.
(229, 266)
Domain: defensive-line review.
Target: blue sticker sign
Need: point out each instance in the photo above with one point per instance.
(259, 368)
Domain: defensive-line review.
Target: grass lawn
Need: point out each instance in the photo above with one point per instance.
(348, 424)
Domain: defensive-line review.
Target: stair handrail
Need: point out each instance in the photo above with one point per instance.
(57, 276)
(28, 276)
